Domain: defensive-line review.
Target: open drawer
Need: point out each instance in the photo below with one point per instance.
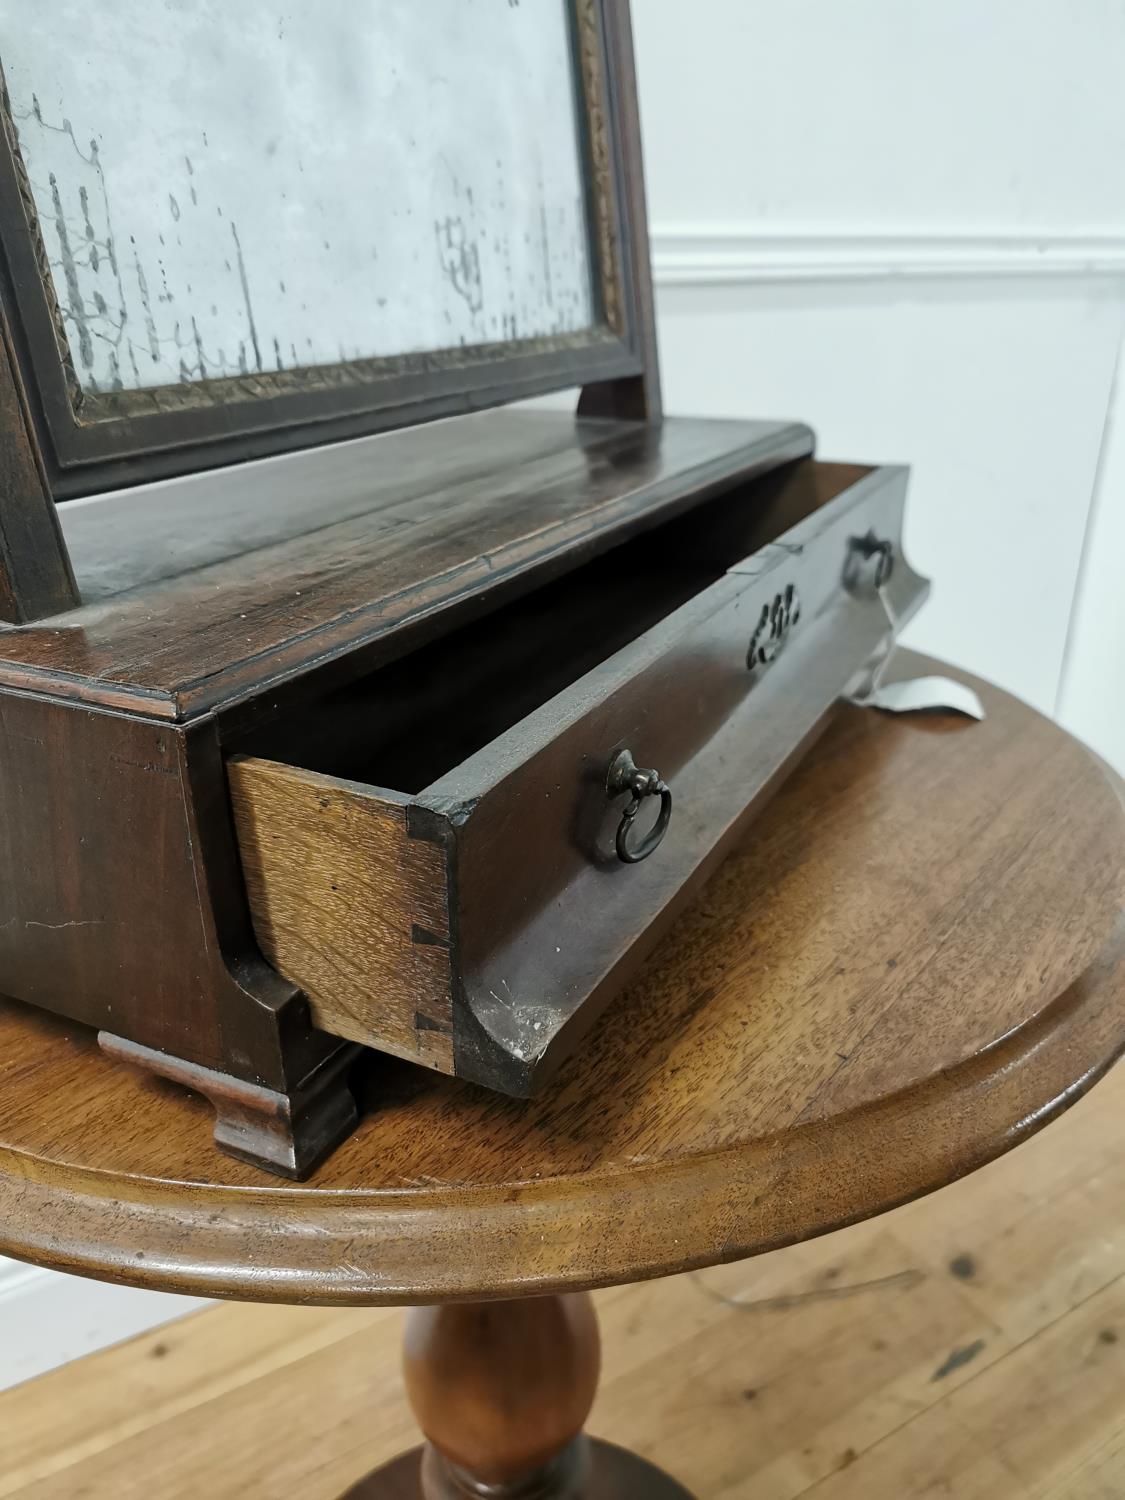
(444, 855)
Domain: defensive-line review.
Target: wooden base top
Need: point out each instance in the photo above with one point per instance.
(916, 959)
(202, 593)
(611, 1473)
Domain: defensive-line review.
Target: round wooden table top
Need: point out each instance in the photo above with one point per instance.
(915, 959)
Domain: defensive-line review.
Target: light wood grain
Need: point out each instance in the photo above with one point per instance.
(915, 961)
(969, 1345)
(349, 906)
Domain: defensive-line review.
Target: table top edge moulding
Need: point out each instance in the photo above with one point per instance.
(941, 1035)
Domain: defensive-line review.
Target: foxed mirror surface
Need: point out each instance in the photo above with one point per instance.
(223, 190)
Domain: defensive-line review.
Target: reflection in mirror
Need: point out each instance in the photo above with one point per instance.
(224, 190)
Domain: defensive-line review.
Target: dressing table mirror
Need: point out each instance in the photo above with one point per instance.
(325, 724)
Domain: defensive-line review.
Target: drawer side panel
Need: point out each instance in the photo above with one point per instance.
(349, 906)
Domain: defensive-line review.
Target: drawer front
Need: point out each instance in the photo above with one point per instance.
(548, 919)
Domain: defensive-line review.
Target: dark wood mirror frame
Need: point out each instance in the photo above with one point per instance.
(58, 442)
(473, 618)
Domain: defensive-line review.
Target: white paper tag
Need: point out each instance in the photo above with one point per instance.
(919, 693)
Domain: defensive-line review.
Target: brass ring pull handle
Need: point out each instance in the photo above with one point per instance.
(880, 548)
(626, 776)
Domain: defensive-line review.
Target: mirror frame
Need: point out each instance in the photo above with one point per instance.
(88, 442)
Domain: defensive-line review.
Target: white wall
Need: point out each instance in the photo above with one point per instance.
(903, 222)
(1092, 698)
(996, 395)
(884, 115)
(898, 221)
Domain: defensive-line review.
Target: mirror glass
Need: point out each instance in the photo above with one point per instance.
(226, 189)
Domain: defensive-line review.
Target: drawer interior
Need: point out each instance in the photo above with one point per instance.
(406, 724)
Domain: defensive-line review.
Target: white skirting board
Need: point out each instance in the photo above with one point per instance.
(47, 1319)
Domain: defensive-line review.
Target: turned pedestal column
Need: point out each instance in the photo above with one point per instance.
(501, 1391)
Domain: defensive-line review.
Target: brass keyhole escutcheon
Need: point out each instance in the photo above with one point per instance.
(772, 630)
